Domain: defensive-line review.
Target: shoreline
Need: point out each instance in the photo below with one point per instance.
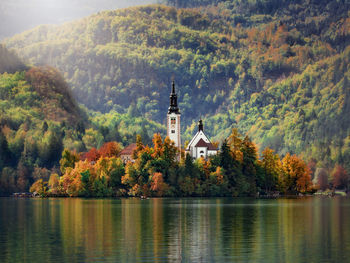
(289, 196)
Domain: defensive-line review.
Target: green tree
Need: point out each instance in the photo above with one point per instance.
(68, 159)
(5, 154)
(249, 164)
(271, 166)
(117, 173)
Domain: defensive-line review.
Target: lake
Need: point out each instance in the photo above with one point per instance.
(312, 229)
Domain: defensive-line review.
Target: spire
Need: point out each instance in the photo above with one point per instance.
(173, 88)
(200, 125)
(173, 101)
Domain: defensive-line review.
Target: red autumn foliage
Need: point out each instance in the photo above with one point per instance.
(340, 177)
(110, 149)
(92, 156)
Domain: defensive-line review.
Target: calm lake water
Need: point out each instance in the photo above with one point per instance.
(175, 230)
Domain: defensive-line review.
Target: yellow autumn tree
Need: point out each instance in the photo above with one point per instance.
(71, 180)
(235, 143)
(296, 175)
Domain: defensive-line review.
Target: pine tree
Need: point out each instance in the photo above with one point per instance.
(5, 154)
(249, 164)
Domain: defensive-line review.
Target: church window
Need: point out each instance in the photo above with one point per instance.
(173, 120)
(201, 151)
(172, 131)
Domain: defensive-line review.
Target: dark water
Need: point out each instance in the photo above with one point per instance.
(175, 230)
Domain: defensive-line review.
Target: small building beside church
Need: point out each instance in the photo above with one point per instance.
(126, 153)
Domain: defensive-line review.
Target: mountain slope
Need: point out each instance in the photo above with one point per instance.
(9, 61)
(226, 71)
(37, 114)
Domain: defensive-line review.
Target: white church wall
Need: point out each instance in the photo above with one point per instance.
(212, 152)
(173, 128)
(201, 152)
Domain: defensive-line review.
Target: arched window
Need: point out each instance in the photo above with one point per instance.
(201, 152)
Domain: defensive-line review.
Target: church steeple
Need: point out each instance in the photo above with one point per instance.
(173, 108)
(173, 119)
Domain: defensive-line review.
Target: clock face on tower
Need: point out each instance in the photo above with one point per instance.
(172, 122)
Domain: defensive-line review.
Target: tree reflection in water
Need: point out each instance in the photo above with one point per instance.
(188, 230)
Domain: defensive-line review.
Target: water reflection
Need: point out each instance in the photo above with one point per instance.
(174, 230)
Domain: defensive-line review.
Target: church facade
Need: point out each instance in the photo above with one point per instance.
(200, 145)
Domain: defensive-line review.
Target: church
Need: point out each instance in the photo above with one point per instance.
(200, 145)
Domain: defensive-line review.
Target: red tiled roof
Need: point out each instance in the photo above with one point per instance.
(128, 150)
(212, 147)
(202, 143)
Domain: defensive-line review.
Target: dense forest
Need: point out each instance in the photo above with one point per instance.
(276, 70)
(39, 118)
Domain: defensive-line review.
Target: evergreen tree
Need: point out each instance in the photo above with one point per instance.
(231, 167)
(5, 154)
(249, 164)
(189, 167)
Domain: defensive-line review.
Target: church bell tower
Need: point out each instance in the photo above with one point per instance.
(173, 119)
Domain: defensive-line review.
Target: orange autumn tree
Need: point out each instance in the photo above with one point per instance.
(71, 180)
(218, 175)
(92, 156)
(296, 176)
(110, 149)
(158, 146)
(158, 186)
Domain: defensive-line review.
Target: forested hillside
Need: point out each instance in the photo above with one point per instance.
(10, 62)
(277, 70)
(39, 118)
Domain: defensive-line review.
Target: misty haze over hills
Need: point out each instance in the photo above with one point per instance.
(20, 15)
